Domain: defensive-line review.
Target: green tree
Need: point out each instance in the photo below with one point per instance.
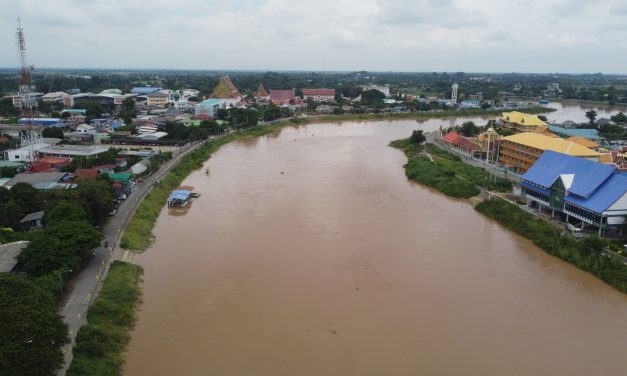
(7, 108)
(65, 211)
(62, 245)
(27, 197)
(417, 137)
(32, 330)
(11, 213)
(372, 98)
(7, 172)
(469, 129)
(127, 110)
(52, 132)
(619, 118)
(591, 115)
(96, 197)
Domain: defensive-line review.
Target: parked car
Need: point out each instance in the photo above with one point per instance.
(112, 212)
(123, 197)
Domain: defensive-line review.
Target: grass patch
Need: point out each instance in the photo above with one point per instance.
(100, 344)
(138, 232)
(476, 175)
(448, 174)
(587, 254)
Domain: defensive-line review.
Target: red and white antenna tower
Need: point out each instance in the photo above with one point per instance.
(27, 98)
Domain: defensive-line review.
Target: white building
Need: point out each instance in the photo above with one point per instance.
(210, 107)
(27, 153)
(85, 129)
(385, 89)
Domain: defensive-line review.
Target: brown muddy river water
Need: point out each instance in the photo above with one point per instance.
(309, 253)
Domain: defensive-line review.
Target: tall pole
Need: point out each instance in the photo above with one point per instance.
(27, 100)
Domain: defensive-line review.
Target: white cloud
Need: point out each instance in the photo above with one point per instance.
(424, 35)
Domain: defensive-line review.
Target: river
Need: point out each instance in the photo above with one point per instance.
(309, 253)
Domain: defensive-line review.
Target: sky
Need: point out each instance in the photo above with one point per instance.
(570, 36)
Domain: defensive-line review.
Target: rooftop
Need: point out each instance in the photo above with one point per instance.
(8, 255)
(324, 92)
(225, 89)
(591, 134)
(538, 141)
(522, 119)
(589, 175)
(37, 178)
(73, 150)
(32, 217)
(282, 95)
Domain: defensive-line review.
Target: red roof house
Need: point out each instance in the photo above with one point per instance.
(281, 97)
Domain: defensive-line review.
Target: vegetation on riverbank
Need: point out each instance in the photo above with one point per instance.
(447, 173)
(100, 344)
(423, 114)
(588, 254)
(139, 229)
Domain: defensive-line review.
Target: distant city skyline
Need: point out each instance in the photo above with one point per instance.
(558, 36)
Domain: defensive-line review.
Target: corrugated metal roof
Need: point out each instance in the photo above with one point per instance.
(589, 175)
(590, 134)
(605, 196)
(541, 142)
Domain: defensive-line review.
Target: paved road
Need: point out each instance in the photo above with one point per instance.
(87, 284)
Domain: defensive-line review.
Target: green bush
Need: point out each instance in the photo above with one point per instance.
(588, 254)
(448, 174)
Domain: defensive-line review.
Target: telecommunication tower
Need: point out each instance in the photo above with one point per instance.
(454, 93)
(26, 96)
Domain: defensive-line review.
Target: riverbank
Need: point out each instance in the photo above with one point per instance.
(138, 232)
(587, 254)
(101, 343)
(447, 172)
(421, 115)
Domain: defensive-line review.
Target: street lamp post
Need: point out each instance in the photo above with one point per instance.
(61, 280)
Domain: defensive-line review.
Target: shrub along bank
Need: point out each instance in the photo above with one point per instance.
(100, 344)
(139, 229)
(448, 174)
(587, 254)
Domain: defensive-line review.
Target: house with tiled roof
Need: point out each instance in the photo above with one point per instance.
(319, 95)
(227, 91)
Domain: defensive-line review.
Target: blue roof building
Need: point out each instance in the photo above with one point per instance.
(44, 122)
(143, 90)
(590, 134)
(592, 192)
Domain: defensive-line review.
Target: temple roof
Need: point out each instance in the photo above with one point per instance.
(225, 89)
(261, 92)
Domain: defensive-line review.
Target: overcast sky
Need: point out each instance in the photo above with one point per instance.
(384, 35)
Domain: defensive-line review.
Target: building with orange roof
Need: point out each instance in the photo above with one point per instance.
(584, 142)
(521, 121)
(520, 151)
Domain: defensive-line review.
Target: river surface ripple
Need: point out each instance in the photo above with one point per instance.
(309, 253)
